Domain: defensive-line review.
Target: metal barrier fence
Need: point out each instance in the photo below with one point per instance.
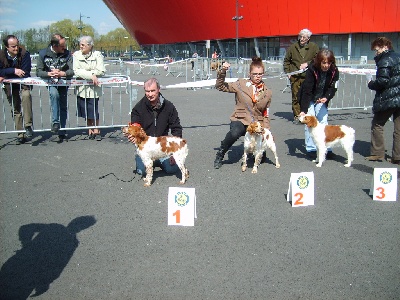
(352, 92)
(119, 93)
(115, 104)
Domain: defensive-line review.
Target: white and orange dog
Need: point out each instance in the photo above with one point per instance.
(151, 148)
(327, 136)
(256, 140)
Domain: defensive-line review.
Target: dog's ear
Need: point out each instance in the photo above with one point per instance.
(250, 128)
(313, 121)
(310, 121)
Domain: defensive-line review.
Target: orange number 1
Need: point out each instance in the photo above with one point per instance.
(177, 215)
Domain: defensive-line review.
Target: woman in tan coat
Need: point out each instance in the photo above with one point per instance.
(252, 100)
(89, 65)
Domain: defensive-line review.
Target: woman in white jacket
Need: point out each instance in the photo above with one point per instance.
(89, 65)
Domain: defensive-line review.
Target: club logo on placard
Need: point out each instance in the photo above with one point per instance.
(303, 182)
(181, 199)
(385, 177)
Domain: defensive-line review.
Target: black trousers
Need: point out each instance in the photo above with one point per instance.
(237, 129)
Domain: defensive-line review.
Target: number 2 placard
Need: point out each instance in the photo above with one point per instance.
(181, 206)
(301, 189)
(384, 185)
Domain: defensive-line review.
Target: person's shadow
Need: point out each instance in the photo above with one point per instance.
(46, 250)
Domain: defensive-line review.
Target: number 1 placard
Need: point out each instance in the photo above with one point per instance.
(301, 189)
(181, 206)
(384, 185)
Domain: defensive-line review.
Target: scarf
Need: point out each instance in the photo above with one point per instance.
(258, 90)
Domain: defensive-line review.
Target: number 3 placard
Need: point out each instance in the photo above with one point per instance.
(301, 189)
(181, 206)
(384, 185)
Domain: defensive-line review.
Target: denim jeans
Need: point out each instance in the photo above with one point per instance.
(162, 162)
(319, 110)
(58, 102)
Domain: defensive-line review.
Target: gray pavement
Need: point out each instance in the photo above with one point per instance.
(247, 242)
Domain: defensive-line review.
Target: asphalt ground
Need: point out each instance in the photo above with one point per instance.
(248, 242)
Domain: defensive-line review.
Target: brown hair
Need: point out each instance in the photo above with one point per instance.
(381, 42)
(256, 62)
(10, 36)
(55, 39)
(322, 55)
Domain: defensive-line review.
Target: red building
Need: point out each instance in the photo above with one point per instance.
(180, 21)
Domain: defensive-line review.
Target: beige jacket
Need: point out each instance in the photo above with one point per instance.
(245, 110)
(85, 68)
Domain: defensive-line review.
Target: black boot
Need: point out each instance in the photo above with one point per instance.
(220, 156)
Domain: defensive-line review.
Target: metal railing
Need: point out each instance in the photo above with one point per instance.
(115, 104)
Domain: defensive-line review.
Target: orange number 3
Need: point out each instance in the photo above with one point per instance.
(381, 190)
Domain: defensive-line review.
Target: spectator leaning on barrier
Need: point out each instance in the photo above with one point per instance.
(317, 90)
(252, 100)
(157, 116)
(387, 99)
(298, 56)
(15, 63)
(89, 65)
(55, 62)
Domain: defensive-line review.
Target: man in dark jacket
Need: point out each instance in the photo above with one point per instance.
(157, 116)
(53, 63)
(298, 56)
(15, 63)
(387, 99)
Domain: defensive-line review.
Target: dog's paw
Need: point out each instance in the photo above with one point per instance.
(278, 165)
(319, 165)
(181, 182)
(254, 171)
(347, 165)
(244, 168)
(146, 182)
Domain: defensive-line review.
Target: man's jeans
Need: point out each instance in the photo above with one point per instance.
(164, 163)
(319, 110)
(58, 102)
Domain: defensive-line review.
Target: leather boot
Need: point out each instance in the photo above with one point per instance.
(219, 157)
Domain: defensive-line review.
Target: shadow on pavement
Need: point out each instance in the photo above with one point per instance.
(46, 250)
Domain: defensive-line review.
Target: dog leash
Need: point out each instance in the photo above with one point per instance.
(101, 177)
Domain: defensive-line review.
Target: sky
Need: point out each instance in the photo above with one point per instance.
(26, 14)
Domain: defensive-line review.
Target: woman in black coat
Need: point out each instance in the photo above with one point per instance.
(387, 99)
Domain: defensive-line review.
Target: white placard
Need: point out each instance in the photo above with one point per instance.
(181, 206)
(384, 184)
(301, 189)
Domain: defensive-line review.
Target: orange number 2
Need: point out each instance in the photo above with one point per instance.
(298, 201)
(177, 215)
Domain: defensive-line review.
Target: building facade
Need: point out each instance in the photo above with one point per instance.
(245, 28)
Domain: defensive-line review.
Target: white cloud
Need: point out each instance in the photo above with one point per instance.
(6, 25)
(7, 10)
(7, 7)
(41, 23)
